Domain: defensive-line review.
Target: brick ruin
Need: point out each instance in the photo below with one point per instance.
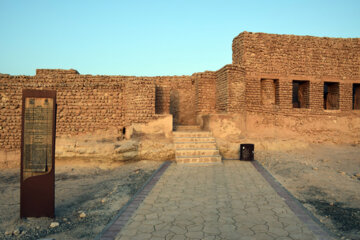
(294, 85)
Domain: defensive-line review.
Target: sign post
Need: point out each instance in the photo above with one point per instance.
(37, 180)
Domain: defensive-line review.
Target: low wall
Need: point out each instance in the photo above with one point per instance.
(140, 141)
(277, 131)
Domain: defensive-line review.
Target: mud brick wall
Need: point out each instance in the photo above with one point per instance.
(317, 96)
(288, 58)
(285, 55)
(86, 103)
(267, 92)
(176, 95)
(222, 89)
(285, 94)
(183, 100)
(346, 98)
(139, 100)
(55, 71)
(315, 92)
(162, 95)
(205, 92)
(10, 111)
(162, 100)
(252, 92)
(236, 88)
(230, 89)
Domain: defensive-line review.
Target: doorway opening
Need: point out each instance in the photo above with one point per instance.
(331, 95)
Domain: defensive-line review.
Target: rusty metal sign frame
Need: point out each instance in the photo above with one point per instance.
(37, 188)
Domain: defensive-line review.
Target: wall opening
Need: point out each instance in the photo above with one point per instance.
(331, 95)
(301, 94)
(356, 96)
(269, 92)
(174, 106)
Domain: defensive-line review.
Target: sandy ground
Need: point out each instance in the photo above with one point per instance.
(326, 179)
(99, 192)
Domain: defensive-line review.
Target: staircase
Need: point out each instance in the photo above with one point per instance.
(195, 146)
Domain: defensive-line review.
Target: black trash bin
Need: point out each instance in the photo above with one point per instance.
(247, 152)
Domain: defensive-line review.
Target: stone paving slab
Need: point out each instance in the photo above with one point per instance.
(224, 201)
(125, 213)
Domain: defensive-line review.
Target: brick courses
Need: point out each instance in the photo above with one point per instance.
(291, 58)
(205, 92)
(287, 55)
(260, 79)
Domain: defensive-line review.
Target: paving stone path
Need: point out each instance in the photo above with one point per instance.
(220, 201)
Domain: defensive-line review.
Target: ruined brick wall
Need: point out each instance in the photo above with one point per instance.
(161, 100)
(10, 111)
(282, 102)
(86, 103)
(162, 95)
(283, 59)
(183, 100)
(236, 84)
(139, 100)
(285, 55)
(260, 80)
(205, 92)
(176, 95)
(230, 89)
(267, 89)
(222, 89)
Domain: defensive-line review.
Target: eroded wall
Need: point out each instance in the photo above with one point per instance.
(176, 95)
(205, 92)
(230, 89)
(91, 104)
(261, 53)
(278, 131)
(85, 104)
(254, 94)
(222, 88)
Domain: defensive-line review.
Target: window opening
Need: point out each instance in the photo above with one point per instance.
(331, 95)
(300, 94)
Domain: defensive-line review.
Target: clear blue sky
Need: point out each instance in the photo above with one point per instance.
(150, 38)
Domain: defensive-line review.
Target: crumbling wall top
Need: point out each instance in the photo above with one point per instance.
(55, 71)
(286, 55)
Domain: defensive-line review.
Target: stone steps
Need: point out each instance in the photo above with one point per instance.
(195, 146)
(188, 128)
(196, 152)
(194, 139)
(193, 134)
(202, 159)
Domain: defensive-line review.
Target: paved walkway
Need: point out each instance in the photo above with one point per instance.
(220, 201)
